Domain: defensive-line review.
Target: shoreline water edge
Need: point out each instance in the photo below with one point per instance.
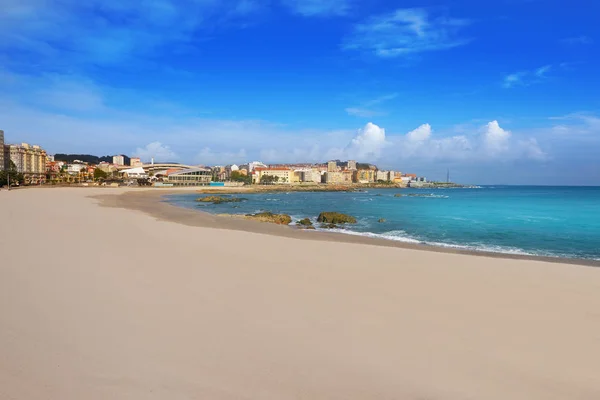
(157, 204)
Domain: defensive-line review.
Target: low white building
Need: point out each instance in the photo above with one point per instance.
(135, 173)
(75, 168)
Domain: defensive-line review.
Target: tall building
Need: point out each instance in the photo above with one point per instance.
(332, 166)
(135, 162)
(29, 160)
(118, 160)
(2, 166)
(351, 165)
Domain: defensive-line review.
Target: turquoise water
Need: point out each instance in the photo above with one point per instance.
(546, 221)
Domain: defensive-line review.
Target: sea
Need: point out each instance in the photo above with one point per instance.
(544, 221)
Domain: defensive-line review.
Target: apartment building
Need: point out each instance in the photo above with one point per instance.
(332, 166)
(119, 160)
(285, 175)
(30, 160)
(135, 162)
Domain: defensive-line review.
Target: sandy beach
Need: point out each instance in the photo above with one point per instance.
(110, 294)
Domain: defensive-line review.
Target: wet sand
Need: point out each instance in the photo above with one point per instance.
(137, 299)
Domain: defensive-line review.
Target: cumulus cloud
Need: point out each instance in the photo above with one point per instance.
(156, 150)
(488, 143)
(420, 134)
(368, 143)
(495, 139)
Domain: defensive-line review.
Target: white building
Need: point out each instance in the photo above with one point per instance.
(135, 173)
(75, 168)
(118, 160)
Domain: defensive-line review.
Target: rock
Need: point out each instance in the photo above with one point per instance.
(335, 218)
(279, 219)
(381, 220)
(329, 226)
(398, 195)
(304, 222)
(219, 199)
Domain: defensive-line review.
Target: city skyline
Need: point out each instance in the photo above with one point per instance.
(498, 93)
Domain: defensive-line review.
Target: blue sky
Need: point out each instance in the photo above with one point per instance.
(499, 92)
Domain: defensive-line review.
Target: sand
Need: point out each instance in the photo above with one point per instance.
(102, 302)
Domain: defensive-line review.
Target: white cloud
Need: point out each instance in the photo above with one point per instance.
(487, 143)
(579, 124)
(530, 149)
(420, 134)
(366, 109)
(156, 150)
(542, 71)
(368, 143)
(363, 112)
(406, 31)
(527, 77)
(311, 8)
(495, 138)
(515, 79)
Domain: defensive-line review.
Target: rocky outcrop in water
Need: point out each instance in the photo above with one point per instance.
(219, 199)
(304, 222)
(381, 220)
(279, 219)
(398, 195)
(329, 217)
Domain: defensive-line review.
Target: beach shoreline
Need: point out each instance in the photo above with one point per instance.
(114, 294)
(152, 202)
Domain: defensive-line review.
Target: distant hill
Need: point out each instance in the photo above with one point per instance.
(87, 158)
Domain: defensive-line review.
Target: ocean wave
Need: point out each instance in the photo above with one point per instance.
(397, 235)
(427, 195)
(402, 236)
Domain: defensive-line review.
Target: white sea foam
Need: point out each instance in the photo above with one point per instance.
(402, 236)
